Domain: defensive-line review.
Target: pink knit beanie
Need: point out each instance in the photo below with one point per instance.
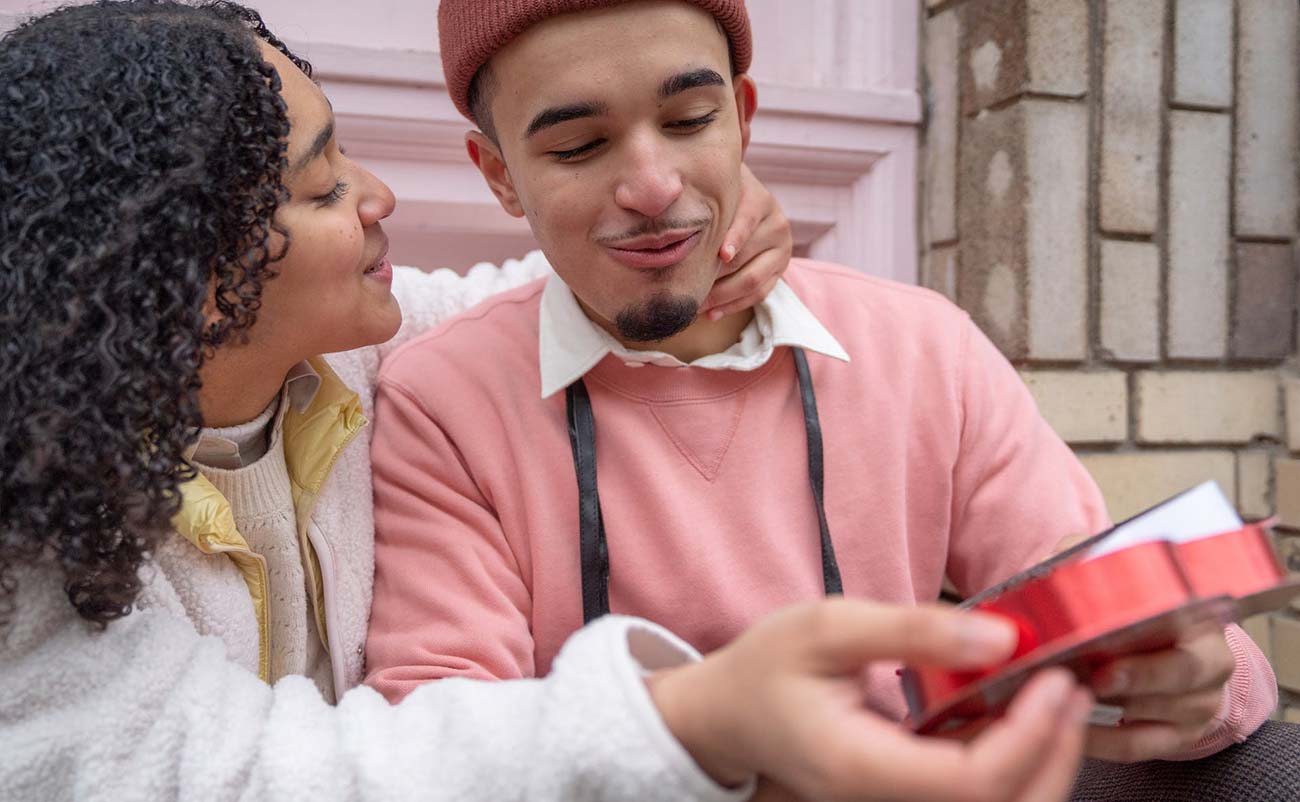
(470, 31)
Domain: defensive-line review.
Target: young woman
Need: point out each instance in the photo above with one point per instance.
(185, 503)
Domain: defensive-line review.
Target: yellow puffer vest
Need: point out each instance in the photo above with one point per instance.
(313, 440)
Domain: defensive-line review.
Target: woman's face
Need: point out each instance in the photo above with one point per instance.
(332, 290)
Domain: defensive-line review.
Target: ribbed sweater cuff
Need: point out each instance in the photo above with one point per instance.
(1248, 698)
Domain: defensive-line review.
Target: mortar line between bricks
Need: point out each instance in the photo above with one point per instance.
(1182, 105)
(1008, 102)
(1126, 236)
(1233, 160)
(1263, 239)
(1096, 67)
(1165, 178)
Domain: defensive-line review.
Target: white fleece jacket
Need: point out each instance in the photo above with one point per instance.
(162, 704)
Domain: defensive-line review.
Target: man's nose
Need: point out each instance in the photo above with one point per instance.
(650, 182)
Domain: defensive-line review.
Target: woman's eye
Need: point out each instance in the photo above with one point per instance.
(570, 155)
(694, 122)
(334, 195)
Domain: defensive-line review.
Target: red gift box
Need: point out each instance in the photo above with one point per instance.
(1081, 611)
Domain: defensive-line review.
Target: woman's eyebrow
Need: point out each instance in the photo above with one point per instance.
(317, 147)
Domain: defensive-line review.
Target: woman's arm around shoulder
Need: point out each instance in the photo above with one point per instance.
(148, 709)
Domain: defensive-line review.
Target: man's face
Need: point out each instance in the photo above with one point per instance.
(621, 133)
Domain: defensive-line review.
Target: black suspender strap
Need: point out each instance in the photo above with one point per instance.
(595, 552)
(816, 465)
(593, 547)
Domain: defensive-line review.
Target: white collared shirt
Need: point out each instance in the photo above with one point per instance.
(570, 343)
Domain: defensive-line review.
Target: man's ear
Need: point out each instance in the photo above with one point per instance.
(489, 161)
(746, 105)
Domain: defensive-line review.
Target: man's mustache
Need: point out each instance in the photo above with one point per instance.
(651, 227)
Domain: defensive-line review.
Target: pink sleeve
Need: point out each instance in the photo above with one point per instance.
(1018, 490)
(449, 599)
(1248, 699)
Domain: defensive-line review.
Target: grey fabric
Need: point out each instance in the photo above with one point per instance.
(1265, 768)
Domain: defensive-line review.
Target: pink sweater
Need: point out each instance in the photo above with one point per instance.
(937, 463)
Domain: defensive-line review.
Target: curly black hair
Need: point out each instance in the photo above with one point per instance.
(142, 145)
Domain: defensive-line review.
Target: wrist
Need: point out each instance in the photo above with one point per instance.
(696, 715)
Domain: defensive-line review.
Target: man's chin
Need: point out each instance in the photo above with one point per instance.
(657, 318)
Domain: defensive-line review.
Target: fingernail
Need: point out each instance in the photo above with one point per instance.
(983, 637)
(729, 251)
(715, 315)
(1060, 687)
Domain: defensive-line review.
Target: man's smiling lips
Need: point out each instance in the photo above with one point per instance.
(655, 252)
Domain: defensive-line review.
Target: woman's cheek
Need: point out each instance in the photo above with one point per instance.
(343, 250)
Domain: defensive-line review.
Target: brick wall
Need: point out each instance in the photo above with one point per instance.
(1110, 189)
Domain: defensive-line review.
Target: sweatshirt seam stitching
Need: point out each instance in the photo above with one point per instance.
(710, 470)
(474, 314)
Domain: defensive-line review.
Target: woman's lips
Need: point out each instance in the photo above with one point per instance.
(384, 272)
(655, 258)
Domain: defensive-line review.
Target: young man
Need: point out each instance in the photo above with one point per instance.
(848, 433)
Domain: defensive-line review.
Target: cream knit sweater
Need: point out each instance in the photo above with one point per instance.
(262, 504)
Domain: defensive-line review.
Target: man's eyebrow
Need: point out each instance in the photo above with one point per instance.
(691, 79)
(562, 114)
(317, 147)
